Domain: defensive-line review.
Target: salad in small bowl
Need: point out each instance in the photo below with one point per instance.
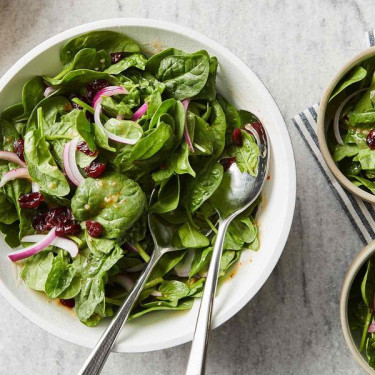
(346, 126)
(81, 154)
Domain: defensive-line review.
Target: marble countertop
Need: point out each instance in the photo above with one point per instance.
(292, 325)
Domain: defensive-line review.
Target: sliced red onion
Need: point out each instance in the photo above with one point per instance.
(34, 249)
(108, 91)
(13, 157)
(60, 242)
(140, 112)
(182, 269)
(156, 293)
(130, 247)
(13, 175)
(137, 268)
(371, 328)
(337, 117)
(185, 104)
(125, 281)
(70, 164)
(48, 91)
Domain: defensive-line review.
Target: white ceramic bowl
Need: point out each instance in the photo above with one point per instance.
(241, 86)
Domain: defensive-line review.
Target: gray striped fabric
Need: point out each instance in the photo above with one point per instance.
(360, 213)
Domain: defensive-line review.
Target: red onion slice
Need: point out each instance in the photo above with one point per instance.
(70, 164)
(33, 249)
(125, 281)
(371, 328)
(140, 112)
(13, 175)
(185, 104)
(156, 293)
(60, 242)
(108, 91)
(113, 137)
(337, 117)
(48, 91)
(35, 187)
(13, 157)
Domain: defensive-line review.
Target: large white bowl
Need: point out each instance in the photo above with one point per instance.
(241, 86)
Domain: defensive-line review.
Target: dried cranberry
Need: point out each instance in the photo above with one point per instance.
(69, 227)
(94, 228)
(83, 147)
(32, 200)
(58, 216)
(95, 169)
(371, 139)
(227, 162)
(237, 137)
(94, 87)
(39, 221)
(116, 57)
(68, 302)
(19, 148)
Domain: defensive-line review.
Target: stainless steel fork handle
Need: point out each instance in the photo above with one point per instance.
(100, 353)
(197, 358)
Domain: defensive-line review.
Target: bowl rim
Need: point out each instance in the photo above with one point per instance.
(340, 177)
(350, 275)
(284, 233)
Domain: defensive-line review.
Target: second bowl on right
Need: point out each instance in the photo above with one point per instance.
(346, 124)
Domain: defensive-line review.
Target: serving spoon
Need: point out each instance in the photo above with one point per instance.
(165, 240)
(235, 194)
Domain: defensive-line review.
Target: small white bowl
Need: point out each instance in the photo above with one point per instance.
(241, 86)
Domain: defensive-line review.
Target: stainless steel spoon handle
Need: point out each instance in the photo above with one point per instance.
(100, 353)
(197, 358)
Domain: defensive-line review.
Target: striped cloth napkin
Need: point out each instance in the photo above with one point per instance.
(360, 213)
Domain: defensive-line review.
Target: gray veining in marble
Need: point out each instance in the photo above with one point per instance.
(292, 325)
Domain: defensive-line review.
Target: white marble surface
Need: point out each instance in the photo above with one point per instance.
(292, 325)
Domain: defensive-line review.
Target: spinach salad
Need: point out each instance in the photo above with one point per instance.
(361, 313)
(351, 139)
(81, 154)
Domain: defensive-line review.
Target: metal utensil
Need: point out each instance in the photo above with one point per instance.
(235, 194)
(165, 241)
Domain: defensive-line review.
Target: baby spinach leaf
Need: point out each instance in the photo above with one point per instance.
(115, 201)
(200, 188)
(173, 290)
(216, 133)
(180, 160)
(85, 130)
(361, 181)
(360, 119)
(125, 128)
(35, 270)
(136, 61)
(41, 165)
(209, 90)
(99, 246)
(90, 300)
(191, 237)
(86, 58)
(8, 212)
(246, 155)
(184, 75)
(186, 304)
(166, 264)
(32, 93)
(110, 41)
(366, 157)
(343, 151)
(116, 109)
(232, 116)
(168, 196)
(201, 259)
(80, 77)
(60, 276)
(11, 233)
(101, 139)
(354, 76)
(152, 142)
